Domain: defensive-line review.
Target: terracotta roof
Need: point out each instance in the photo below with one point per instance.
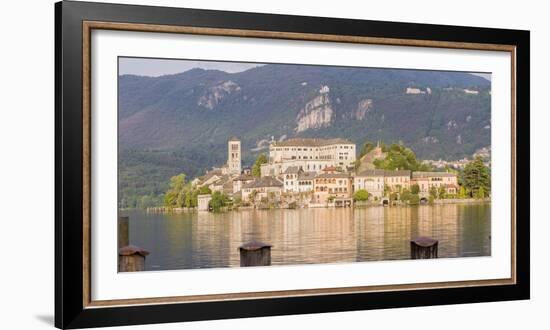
(302, 142)
(333, 175)
(432, 174)
(266, 181)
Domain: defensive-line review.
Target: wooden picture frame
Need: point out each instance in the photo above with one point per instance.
(74, 307)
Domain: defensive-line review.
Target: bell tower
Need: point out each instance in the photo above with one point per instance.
(234, 155)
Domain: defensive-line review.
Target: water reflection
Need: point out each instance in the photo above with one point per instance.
(205, 240)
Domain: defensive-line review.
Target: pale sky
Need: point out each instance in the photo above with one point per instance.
(153, 67)
(160, 67)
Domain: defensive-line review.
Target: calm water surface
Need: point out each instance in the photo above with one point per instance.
(205, 240)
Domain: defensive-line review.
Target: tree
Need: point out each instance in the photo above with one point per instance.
(401, 158)
(442, 192)
(175, 196)
(387, 190)
(480, 193)
(256, 168)
(170, 199)
(177, 182)
(204, 191)
(476, 176)
(415, 189)
(252, 196)
(414, 200)
(361, 195)
(462, 192)
(433, 192)
(218, 201)
(367, 147)
(405, 195)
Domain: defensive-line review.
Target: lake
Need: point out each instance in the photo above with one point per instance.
(307, 236)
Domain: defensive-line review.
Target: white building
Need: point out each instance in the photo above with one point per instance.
(203, 202)
(234, 156)
(305, 181)
(290, 179)
(371, 181)
(311, 155)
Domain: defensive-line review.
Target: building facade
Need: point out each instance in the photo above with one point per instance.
(203, 202)
(396, 181)
(306, 182)
(372, 181)
(234, 156)
(427, 180)
(265, 187)
(332, 185)
(310, 155)
(240, 181)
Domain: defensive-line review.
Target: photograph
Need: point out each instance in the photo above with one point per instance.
(236, 164)
(229, 163)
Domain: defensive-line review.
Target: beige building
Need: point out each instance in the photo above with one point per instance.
(371, 181)
(397, 180)
(305, 181)
(427, 180)
(262, 188)
(208, 179)
(223, 185)
(310, 155)
(332, 186)
(241, 180)
(295, 180)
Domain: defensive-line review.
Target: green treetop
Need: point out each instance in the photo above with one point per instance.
(218, 201)
(256, 168)
(361, 195)
(400, 157)
(476, 177)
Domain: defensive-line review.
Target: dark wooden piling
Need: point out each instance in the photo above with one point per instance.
(131, 259)
(424, 248)
(123, 232)
(255, 254)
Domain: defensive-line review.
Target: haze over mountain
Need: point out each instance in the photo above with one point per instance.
(181, 122)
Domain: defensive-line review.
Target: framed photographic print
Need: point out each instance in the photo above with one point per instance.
(221, 164)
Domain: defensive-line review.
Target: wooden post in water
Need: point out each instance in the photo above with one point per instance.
(255, 254)
(424, 248)
(131, 259)
(123, 232)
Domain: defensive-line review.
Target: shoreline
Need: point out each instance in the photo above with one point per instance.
(162, 209)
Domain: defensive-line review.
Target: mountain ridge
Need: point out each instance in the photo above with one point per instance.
(181, 122)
